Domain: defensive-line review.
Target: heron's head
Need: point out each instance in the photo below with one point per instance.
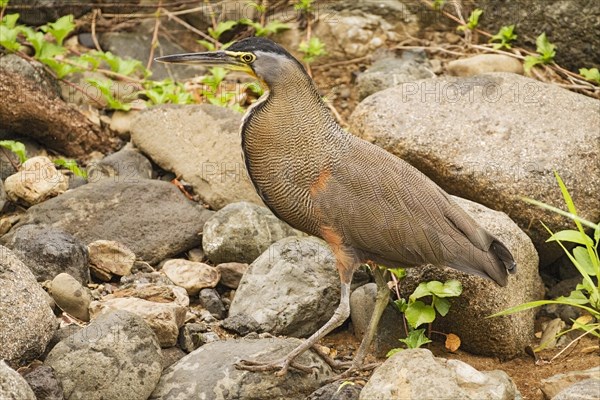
(259, 57)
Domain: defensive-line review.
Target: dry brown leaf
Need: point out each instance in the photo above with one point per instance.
(452, 342)
(590, 349)
(584, 319)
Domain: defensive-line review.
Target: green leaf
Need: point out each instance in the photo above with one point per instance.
(473, 20)
(530, 62)
(400, 304)
(418, 313)
(210, 46)
(592, 75)
(16, 147)
(304, 6)
(221, 28)
(120, 65)
(420, 291)
(441, 305)
(451, 288)
(167, 91)
(583, 258)
(312, 49)
(399, 273)
(415, 339)
(574, 298)
(505, 35)
(538, 303)
(3, 3)
(258, 7)
(8, 38)
(43, 49)
(60, 28)
(61, 69)
(394, 351)
(258, 90)
(271, 27)
(561, 212)
(10, 20)
(572, 236)
(72, 166)
(105, 87)
(545, 48)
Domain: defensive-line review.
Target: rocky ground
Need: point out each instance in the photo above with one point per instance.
(153, 277)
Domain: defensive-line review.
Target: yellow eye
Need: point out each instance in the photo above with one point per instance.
(247, 57)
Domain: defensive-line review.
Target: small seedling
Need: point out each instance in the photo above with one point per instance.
(166, 91)
(304, 6)
(546, 52)
(105, 87)
(505, 35)
(473, 20)
(312, 49)
(60, 28)
(16, 147)
(9, 32)
(592, 75)
(72, 166)
(269, 28)
(418, 312)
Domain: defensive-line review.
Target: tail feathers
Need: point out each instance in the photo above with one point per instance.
(504, 255)
(493, 263)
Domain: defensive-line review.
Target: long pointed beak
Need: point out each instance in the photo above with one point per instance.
(210, 59)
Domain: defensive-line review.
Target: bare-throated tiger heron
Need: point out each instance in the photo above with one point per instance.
(364, 202)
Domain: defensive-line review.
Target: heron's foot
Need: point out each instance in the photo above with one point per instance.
(282, 366)
(353, 371)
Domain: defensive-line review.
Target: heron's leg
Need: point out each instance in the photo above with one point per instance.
(381, 301)
(339, 316)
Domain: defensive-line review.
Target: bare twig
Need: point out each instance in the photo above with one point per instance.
(263, 15)
(94, 38)
(336, 114)
(340, 63)
(431, 48)
(211, 13)
(576, 340)
(154, 42)
(10, 160)
(188, 26)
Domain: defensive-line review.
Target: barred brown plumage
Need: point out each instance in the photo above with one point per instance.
(367, 204)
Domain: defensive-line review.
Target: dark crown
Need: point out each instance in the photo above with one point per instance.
(253, 44)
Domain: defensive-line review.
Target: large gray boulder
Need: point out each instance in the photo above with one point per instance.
(494, 139)
(417, 375)
(200, 144)
(209, 373)
(27, 322)
(292, 289)
(48, 251)
(116, 357)
(503, 337)
(240, 232)
(150, 217)
(12, 385)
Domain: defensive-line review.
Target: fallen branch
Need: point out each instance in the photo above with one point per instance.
(31, 106)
